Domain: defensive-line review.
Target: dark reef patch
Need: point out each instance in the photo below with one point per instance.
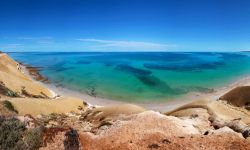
(227, 56)
(58, 69)
(109, 63)
(133, 70)
(157, 84)
(146, 77)
(149, 80)
(157, 56)
(184, 66)
(84, 62)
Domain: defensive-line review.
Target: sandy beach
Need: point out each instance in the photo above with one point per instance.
(157, 106)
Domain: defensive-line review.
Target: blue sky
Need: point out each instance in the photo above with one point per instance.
(124, 25)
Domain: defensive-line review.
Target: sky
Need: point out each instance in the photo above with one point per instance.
(124, 25)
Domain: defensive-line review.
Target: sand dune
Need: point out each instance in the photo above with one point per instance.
(31, 97)
(239, 96)
(218, 108)
(12, 77)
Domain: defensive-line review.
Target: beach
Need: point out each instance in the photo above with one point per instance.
(158, 106)
(151, 88)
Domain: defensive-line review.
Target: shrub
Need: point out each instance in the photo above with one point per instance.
(15, 136)
(11, 133)
(9, 106)
(33, 138)
(71, 142)
(12, 94)
(6, 91)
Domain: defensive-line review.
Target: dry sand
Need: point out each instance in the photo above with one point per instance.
(37, 106)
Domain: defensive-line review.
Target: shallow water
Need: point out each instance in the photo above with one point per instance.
(140, 76)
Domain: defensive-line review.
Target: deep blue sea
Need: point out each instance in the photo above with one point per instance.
(140, 77)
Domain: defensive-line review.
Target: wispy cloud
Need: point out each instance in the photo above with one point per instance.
(25, 38)
(33, 38)
(27, 43)
(12, 46)
(30, 43)
(99, 44)
(39, 40)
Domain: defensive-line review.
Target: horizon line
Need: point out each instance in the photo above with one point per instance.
(119, 51)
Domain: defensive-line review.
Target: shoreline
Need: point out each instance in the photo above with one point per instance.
(35, 76)
(156, 106)
(33, 73)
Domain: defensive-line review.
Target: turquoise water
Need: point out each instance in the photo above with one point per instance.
(139, 77)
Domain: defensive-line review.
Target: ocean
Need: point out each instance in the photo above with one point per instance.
(139, 76)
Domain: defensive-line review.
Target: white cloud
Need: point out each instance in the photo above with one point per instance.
(98, 44)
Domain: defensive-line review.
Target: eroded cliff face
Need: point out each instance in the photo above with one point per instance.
(198, 125)
(194, 128)
(148, 130)
(152, 130)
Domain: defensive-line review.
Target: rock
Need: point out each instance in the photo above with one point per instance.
(246, 133)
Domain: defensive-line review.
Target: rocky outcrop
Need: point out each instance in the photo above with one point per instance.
(152, 130)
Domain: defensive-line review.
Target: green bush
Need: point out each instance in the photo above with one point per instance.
(15, 136)
(11, 133)
(6, 91)
(12, 94)
(33, 138)
(9, 106)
